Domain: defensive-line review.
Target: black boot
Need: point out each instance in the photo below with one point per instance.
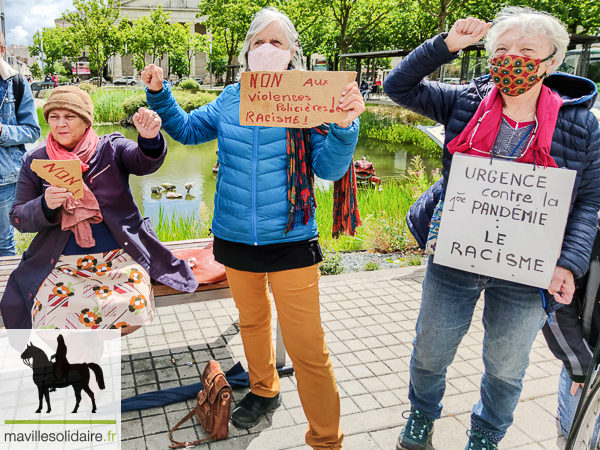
(247, 413)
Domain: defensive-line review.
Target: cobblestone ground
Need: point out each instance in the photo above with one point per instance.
(369, 319)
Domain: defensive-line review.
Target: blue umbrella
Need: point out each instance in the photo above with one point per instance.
(237, 377)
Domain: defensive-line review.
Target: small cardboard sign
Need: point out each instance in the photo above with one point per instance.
(292, 98)
(62, 173)
(505, 219)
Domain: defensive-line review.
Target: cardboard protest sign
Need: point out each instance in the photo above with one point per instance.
(63, 173)
(292, 98)
(505, 219)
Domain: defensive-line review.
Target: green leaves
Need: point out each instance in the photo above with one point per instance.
(95, 27)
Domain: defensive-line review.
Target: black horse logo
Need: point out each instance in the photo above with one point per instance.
(49, 376)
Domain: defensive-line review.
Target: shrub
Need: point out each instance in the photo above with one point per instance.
(88, 87)
(133, 103)
(187, 100)
(371, 265)
(385, 233)
(417, 177)
(331, 265)
(189, 85)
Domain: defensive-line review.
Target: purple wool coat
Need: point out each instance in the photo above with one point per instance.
(108, 178)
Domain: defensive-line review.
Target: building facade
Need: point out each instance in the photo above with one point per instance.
(19, 58)
(182, 11)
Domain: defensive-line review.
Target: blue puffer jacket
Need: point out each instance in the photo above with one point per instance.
(575, 143)
(251, 197)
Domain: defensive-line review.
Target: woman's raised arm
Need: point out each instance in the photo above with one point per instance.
(192, 128)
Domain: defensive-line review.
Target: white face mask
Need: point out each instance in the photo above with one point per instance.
(268, 57)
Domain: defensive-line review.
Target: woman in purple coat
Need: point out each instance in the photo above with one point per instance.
(91, 263)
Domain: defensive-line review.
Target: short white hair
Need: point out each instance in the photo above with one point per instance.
(532, 24)
(263, 18)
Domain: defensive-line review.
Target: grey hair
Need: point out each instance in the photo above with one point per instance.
(532, 23)
(263, 18)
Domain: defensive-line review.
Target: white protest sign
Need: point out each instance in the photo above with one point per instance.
(505, 219)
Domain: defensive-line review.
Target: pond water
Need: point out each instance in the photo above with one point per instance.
(194, 164)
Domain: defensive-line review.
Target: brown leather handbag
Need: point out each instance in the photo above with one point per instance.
(213, 405)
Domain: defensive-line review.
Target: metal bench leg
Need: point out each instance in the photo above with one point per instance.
(280, 359)
(279, 349)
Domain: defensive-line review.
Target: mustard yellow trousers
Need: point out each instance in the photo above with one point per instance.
(296, 294)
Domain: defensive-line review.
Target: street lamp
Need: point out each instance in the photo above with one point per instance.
(210, 61)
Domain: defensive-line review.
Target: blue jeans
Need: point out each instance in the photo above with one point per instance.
(7, 235)
(513, 314)
(567, 405)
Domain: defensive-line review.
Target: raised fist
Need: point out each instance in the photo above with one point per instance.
(466, 32)
(152, 75)
(147, 123)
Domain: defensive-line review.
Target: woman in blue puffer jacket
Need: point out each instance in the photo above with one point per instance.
(258, 238)
(565, 134)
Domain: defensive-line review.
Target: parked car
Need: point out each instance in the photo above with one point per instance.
(94, 80)
(199, 80)
(127, 81)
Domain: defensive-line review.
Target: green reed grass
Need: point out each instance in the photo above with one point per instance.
(182, 227)
(108, 104)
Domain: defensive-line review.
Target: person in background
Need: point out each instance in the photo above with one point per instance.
(265, 231)
(48, 78)
(18, 126)
(543, 120)
(91, 262)
(55, 79)
(572, 335)
(364, 88)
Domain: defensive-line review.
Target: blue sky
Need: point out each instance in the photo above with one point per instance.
(25, 17)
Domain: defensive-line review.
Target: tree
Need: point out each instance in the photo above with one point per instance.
(72, 46)
(218, 57)
(229, 20)
(581, 17)
(48, 44)
(185, 44)
(150, 35)
(36, 72)
(95, 23)
(310, 17)
(356, 19)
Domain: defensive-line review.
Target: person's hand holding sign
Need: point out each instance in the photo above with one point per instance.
(466, 32)
(147, 122)
(353, 102)
(562, 285)
(152, 76)
(56, 196)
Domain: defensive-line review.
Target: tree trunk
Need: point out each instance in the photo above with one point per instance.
(442, 16)
(228, 76)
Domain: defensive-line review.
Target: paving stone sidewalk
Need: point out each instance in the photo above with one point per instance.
(369, 319)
